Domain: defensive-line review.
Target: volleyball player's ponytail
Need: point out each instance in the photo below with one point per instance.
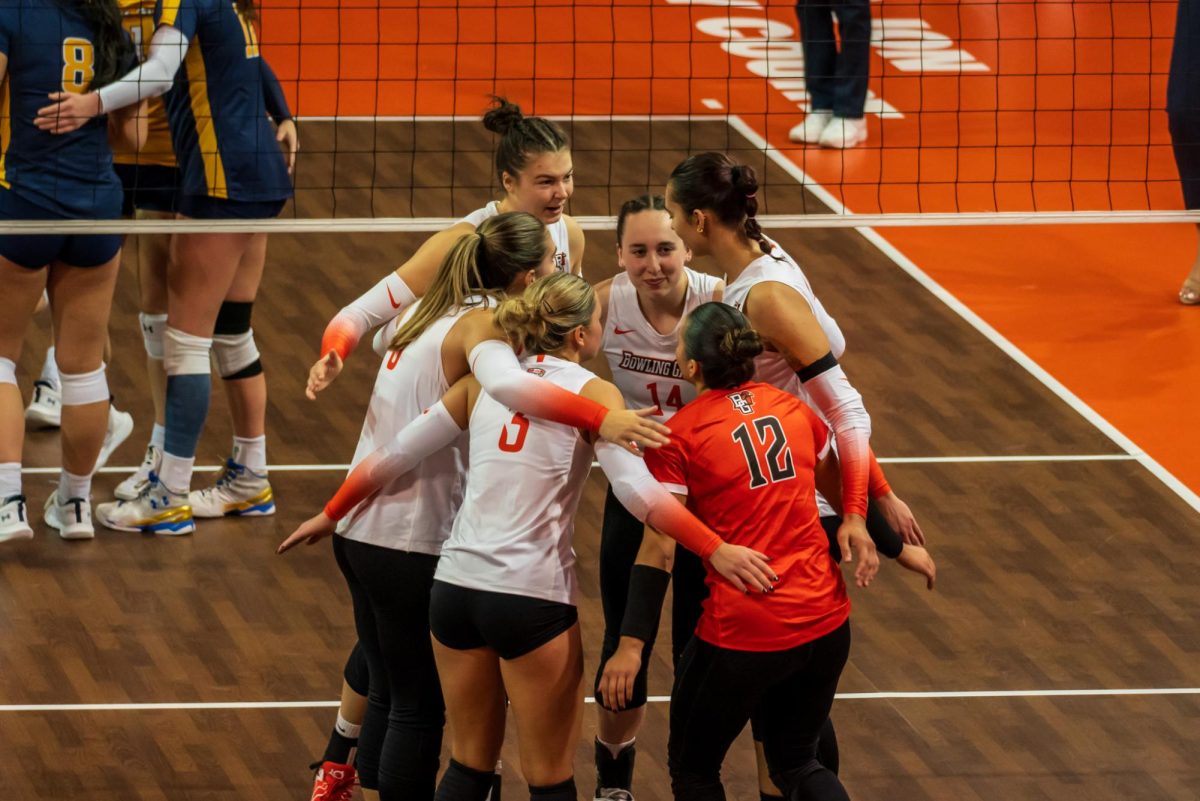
(540, 320)
(520, 136)
(719, 338)
(114, 50)
(715, 183)
(482, 263)
(745, 186)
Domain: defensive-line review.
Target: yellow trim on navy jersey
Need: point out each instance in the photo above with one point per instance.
(5, 129)
(137, 17)
(170, 12)
(206, 129)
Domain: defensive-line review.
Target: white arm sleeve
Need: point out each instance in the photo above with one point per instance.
(630, 479)
(379, 304)
(383, 336)
(501, 376)
(151, 78)
(421, 438)
(838, 401)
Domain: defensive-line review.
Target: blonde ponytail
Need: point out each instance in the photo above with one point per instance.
(551, 308)
(480, 265)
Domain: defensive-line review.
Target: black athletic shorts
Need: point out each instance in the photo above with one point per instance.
(511, 625)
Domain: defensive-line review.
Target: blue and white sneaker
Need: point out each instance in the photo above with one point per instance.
(156, 510)
(239, 492)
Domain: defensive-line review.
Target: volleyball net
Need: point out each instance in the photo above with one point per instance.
(977, 112)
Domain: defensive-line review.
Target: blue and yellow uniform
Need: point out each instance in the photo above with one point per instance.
(50, 48)
(226, 147)
(150, 176)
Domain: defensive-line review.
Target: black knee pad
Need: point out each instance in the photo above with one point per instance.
(356, 673)
(249, 371)
(462, 783)
(233, 318)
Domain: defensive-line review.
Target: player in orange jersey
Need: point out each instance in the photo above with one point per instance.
(745, 451)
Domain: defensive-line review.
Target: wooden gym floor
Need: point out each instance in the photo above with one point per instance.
(1067, 571)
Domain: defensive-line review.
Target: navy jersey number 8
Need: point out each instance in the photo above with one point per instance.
(79, 65)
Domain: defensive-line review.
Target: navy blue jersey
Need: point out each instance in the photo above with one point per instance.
(50, 49)
(1183, 82)
(223, 141)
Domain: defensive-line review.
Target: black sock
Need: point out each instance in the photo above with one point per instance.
(827, 747)
(460, 783)
(614, 772)
(340, 748)
(563, 791)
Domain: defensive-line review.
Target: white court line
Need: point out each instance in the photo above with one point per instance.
(279, 468)
(655, 699)
(341, 468)
(556, 117)
(978, 323)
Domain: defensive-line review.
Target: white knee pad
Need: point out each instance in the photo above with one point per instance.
(233, 353)
(154, 330)
(8, 371)
(185, 354)
(80, 389)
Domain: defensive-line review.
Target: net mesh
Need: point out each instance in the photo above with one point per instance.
(973, 108)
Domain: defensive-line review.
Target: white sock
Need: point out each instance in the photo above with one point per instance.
(346, 728)
(10, 479)
(175, 473)
(616, 749)
(158, 436)
(251, 452)
(73, 486)
(50, 370)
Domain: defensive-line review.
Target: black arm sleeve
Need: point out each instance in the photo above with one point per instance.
(887, 541)
(273, 96)
(647, 589)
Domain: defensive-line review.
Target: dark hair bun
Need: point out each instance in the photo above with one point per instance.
(743, 179)
(502, 116)
(741, 344)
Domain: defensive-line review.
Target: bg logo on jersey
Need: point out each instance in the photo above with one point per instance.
(560, 261)
(742, 401)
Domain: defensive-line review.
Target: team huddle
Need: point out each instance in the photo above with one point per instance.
(454, 526)
(736, 448)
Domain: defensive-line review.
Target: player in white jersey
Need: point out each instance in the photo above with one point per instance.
(401, 530)
(533, 164)
(503, 608)
(642, 308)
(713, 202)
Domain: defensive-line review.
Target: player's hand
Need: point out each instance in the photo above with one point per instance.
(620, 672)
(901, 518)
(631, 429)
(289, 142)
(856, 546)
(321, 374)
(310, 532)
(918, 560)
(67, 112)
(744, 568)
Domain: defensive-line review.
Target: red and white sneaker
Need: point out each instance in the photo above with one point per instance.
(334, 782)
